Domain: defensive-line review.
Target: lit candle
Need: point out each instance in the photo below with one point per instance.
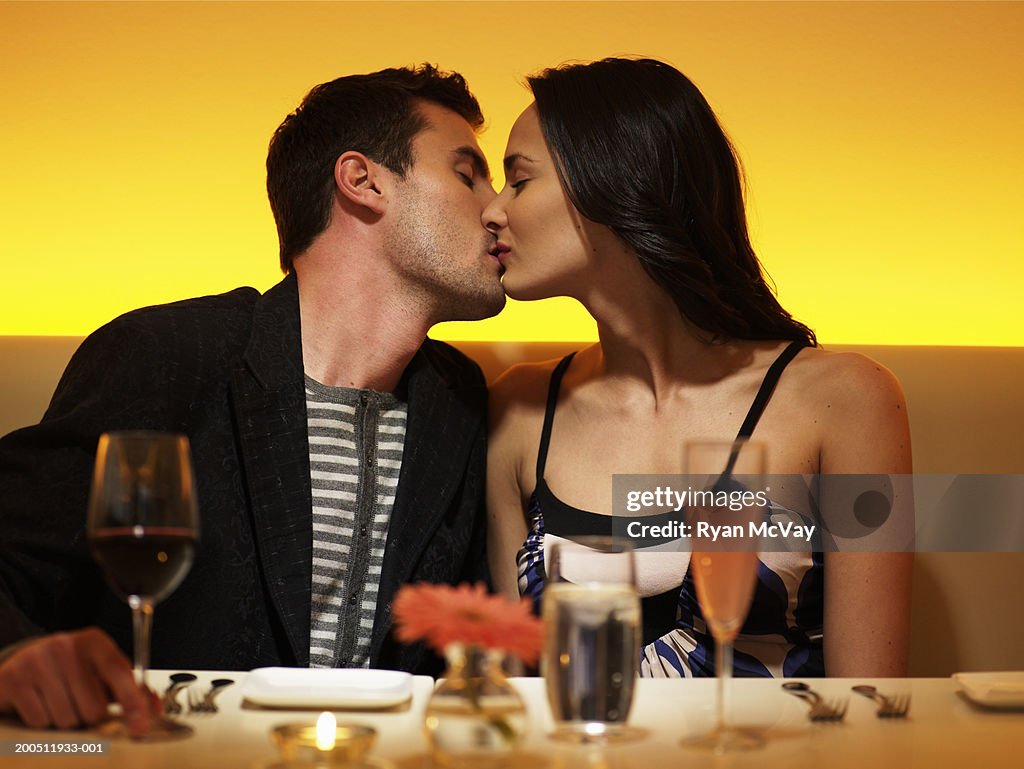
(326, 731)
(325, 743)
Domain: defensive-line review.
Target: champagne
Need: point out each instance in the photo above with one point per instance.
(725, 586)
(591, 651)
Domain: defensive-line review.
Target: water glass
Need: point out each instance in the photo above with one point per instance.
(592, 637)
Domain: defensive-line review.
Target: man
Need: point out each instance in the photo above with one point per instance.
(338, 452)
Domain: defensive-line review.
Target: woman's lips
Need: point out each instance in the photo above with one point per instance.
(499, 250)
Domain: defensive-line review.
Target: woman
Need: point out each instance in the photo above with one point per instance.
(623, 192)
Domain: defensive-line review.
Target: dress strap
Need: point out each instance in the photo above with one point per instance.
(768, 387)
(549, 413)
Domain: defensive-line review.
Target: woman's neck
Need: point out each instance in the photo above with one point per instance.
(648, 348)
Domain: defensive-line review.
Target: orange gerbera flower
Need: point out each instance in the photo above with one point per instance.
(443, 614)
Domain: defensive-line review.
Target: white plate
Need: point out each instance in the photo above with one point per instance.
(993, 690)
(327, 687)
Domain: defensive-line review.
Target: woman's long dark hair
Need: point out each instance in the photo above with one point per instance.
(638, 149)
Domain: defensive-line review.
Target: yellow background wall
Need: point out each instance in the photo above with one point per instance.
(882, 143)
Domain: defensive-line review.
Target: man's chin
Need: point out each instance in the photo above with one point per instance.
(479, 306)
(491, 307)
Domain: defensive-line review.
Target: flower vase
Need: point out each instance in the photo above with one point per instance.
(475, 717)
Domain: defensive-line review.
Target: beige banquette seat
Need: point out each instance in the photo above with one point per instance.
(966, 415)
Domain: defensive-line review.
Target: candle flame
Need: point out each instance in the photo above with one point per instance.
(326, 730)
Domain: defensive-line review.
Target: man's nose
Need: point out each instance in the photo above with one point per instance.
(493, 216)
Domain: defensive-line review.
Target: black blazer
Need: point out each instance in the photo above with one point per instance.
(227, 371)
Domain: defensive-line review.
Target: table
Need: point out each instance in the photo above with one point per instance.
(943, 730)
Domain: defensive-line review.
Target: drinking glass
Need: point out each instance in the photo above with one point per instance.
(592, 637)
(725, 569)
(142, 528)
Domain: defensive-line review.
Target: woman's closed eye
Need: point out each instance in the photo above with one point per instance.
(518, 185)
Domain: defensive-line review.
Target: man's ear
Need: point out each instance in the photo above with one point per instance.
(361, 181)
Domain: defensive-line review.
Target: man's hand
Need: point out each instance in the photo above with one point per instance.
(66, 680)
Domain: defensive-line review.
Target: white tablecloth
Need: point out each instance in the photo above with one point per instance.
(943, 730)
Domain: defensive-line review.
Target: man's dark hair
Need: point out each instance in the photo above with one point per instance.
(375, 114)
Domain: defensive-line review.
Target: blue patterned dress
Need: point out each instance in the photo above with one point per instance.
(782, 635)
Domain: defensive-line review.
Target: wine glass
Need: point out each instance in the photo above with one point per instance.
(592, 637)
(725, 568)
(142, 528)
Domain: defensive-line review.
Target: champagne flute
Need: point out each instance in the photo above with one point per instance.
(142, 528)
(592, 637)
(725, 569)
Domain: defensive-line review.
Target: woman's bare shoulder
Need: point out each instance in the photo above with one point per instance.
(524, 386)
(517, 401)
(845, 373)
(524, 374)
(517, 398)
(844, 379)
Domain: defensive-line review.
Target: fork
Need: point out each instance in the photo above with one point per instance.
(895, 706)
(195, 701)
(178, 682)
(205, 704)
(821, 709)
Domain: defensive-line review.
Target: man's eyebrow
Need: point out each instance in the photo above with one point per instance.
(478, 160)
(510, 160)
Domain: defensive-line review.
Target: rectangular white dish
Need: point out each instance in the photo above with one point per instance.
(993, 690)
(352, 688)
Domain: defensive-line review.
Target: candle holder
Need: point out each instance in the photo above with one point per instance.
(325, 743)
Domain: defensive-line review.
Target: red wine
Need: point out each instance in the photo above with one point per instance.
(145, 561)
